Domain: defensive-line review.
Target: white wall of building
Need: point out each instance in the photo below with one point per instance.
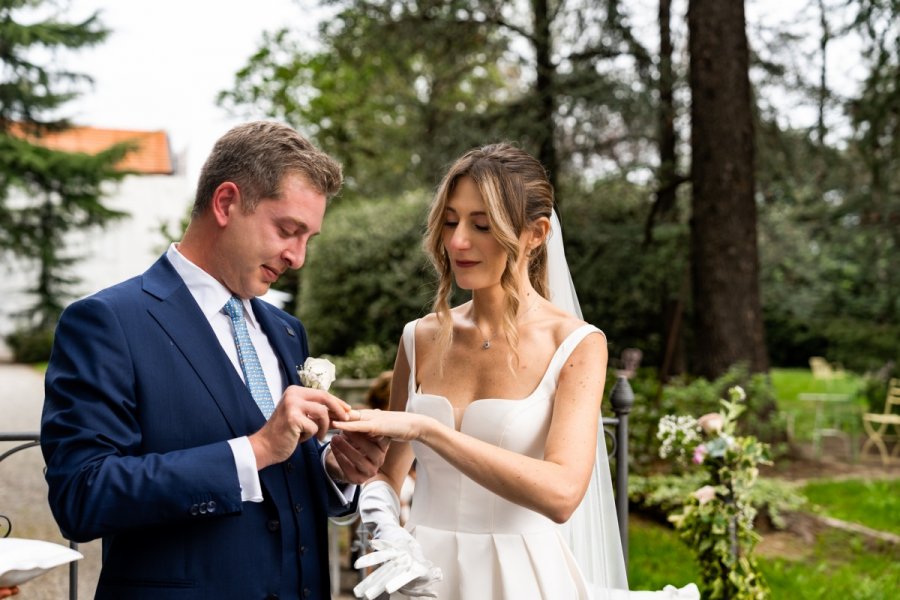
(123, 249)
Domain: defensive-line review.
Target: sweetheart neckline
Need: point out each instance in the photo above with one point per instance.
(465, 411)
(417, 390)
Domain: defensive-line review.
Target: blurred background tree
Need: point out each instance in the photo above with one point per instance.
(45, 193)
(396, 89)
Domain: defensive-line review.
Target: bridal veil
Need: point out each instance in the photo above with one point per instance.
(592, 532)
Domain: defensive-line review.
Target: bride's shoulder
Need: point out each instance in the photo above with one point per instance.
(562, 324)
(427, 328)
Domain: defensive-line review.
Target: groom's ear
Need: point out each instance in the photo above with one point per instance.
(226, 199)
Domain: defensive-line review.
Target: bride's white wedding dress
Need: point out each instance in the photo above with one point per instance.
(487, 546)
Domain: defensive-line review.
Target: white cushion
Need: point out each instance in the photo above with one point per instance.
(21, 559)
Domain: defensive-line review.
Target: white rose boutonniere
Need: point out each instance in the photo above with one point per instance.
(317, 373)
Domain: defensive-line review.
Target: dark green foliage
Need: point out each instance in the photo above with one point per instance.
(399, 89)
(28, 90)
(56, 192)
(395, 95)
(364, 361)
(621, 282)
(697, 397)
(31, 345)
(366, 275)
(62, 193)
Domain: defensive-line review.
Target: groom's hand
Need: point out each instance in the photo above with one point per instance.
(301, 413)
(358, 456)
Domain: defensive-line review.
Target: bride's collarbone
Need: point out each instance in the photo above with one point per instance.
(464, 378)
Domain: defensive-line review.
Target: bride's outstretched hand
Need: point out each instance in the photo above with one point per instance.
(396, 425)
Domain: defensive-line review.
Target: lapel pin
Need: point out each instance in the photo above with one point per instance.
(290, 331)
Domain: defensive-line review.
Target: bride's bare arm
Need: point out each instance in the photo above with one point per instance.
(553, 486)
(399, 456)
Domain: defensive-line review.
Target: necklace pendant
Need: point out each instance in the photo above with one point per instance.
(486, 344)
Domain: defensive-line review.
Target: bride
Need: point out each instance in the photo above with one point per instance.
(498, 401)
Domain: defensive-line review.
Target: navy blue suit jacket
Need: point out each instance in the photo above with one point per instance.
(140, 402)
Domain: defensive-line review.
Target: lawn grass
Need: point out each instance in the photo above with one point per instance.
(838, 565)
(657, 557)
(790, 383)
(873, 503)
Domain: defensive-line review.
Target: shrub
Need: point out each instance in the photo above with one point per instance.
(698, 396)
(716, 520)
(366, 275)
(364, 361)
(31, 345)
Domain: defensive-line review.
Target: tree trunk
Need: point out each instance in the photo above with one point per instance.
(666, 194)
(544, 90)
(724, 258)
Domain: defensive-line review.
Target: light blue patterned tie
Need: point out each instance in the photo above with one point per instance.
(253, 373)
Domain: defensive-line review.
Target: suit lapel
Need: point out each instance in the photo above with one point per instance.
(179, 316)
(282, 337)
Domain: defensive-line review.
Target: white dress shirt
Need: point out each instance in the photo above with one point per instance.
(211, 297)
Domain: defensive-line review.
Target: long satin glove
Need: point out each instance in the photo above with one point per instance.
(403, 566)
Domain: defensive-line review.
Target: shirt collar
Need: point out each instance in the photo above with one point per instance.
(207, 291)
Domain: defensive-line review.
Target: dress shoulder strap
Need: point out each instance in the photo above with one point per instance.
(566, 348)
(409, 348)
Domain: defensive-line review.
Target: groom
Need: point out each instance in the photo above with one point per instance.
(174, 426)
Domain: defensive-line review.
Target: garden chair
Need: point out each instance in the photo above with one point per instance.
(822, 369)
(877, 425)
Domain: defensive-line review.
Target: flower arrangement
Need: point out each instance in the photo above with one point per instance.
(716, 521)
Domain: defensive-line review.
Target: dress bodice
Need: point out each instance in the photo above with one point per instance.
(447, 499)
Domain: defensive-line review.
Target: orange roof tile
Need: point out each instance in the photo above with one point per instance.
(152, 155)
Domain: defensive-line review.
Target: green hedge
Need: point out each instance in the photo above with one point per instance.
(31, 345)
(366, 274)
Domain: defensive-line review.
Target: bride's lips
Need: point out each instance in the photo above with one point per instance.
(465, 264)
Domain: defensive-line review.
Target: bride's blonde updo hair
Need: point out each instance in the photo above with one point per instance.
(516, 192)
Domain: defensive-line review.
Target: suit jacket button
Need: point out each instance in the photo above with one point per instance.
(289, 467)
(195, 510)
(273, 525)
(211, 506)
(302, 550)
(298, 507)
(306, 592)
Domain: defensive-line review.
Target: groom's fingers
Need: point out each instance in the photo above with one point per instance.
(336, 408)
(359, 454)
(341, 449)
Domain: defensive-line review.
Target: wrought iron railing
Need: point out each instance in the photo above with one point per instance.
(25, 441)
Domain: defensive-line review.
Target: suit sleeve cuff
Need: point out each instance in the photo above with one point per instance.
(248, 475)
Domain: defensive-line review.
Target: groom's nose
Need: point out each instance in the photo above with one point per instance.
(295, 255)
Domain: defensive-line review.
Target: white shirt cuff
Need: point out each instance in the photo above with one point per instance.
(345, 491)
(248, 476)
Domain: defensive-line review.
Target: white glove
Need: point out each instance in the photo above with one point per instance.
(403, 566)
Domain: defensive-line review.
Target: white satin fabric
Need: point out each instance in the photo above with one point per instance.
(486, 546)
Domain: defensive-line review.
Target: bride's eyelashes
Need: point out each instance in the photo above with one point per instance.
(482, 228)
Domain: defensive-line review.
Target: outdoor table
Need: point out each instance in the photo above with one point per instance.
(830, 410)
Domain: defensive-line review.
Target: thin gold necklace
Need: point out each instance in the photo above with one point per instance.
(486, 343)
